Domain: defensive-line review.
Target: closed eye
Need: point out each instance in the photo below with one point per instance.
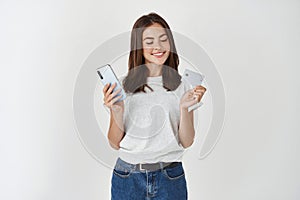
(160, 40)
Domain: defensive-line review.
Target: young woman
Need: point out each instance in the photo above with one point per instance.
(152, 126)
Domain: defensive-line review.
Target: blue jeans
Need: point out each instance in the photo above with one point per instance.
(162, 184)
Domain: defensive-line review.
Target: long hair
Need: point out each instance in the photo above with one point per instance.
(136, 79)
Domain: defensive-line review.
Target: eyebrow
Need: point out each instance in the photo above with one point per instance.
(153, 38)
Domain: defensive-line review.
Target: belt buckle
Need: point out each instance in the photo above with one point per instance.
(140, 167)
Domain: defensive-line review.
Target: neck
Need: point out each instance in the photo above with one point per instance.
(154, 70)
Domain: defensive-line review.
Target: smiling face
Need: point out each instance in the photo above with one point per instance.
(152, 53)
(156, 45)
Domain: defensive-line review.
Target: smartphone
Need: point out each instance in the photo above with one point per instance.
(107, 75)
(193, 78)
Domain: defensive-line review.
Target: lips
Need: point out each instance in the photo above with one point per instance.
(158, 54)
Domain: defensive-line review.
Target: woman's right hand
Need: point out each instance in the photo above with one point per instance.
(110, 97)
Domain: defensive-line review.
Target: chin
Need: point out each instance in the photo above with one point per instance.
(159, 62)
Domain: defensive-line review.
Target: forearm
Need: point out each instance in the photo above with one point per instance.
(186, 128)
(116, 128)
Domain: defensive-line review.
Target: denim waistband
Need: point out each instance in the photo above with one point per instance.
(124, 166)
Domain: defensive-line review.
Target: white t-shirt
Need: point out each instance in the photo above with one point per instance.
(151, 122)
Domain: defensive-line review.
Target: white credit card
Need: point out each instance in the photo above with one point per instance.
(193, 78)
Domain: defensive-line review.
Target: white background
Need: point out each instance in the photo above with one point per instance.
(254, 44)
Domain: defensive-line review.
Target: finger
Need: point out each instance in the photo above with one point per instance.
(109, 91)
(116, 99)
(107, 97)
(112, 95)
(106, 87)
(199, 87)
(112, 87)
(191, 96)
(201, 93)
(200, 90)
(112, 102)
(192, 100)
(198, 97)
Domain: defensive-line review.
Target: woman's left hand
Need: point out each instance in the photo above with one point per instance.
(192, 96)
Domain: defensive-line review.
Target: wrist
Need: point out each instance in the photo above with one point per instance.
(116, 109)
(183, 109)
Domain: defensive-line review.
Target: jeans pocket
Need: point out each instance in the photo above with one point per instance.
(121, 173)
(174, 172)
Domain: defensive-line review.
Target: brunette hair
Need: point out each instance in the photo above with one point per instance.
(136, 79)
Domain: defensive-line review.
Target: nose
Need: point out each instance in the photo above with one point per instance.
(157, 45)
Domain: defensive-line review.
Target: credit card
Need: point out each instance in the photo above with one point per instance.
(193, 78)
